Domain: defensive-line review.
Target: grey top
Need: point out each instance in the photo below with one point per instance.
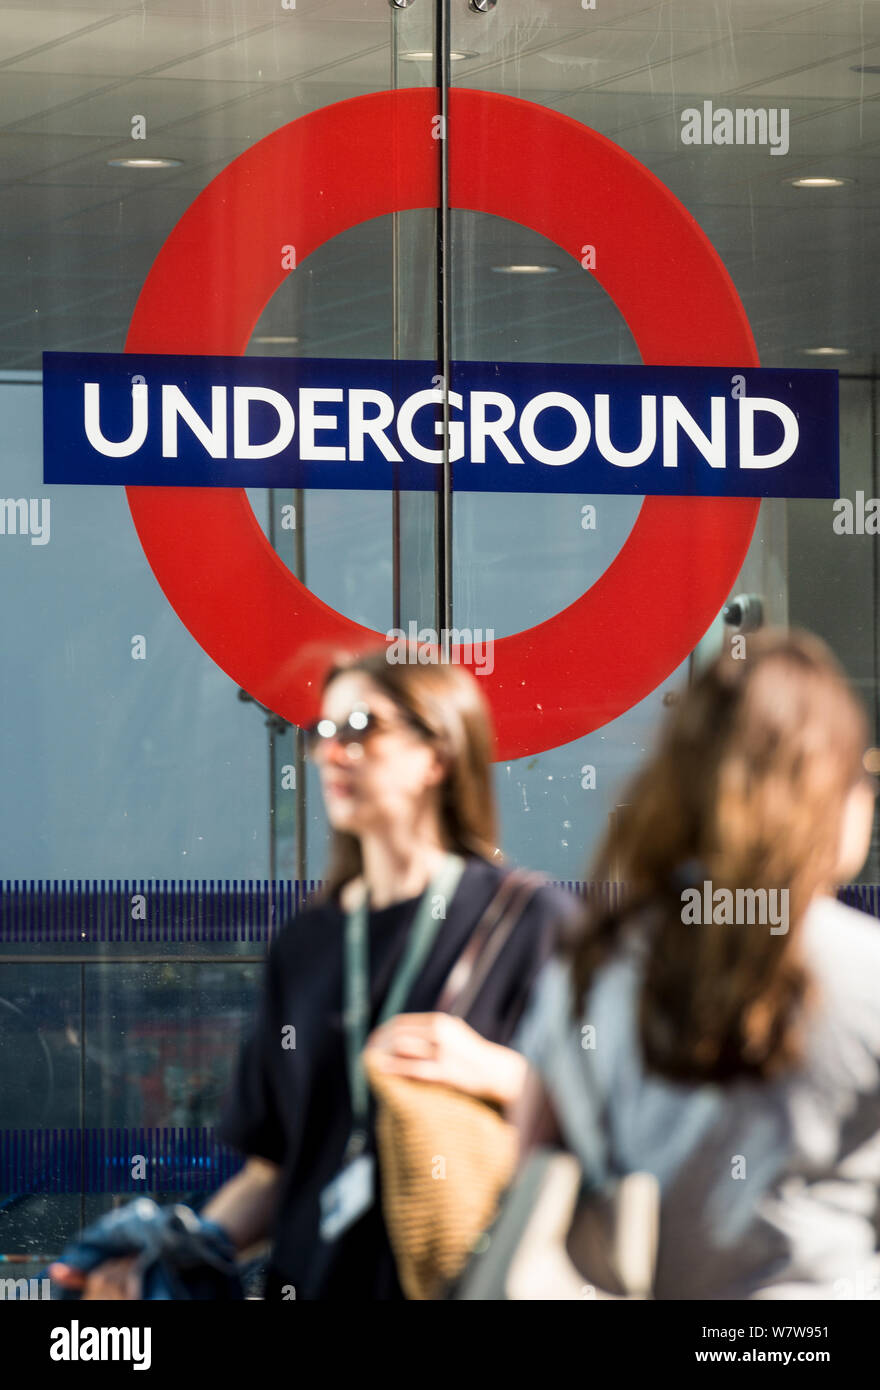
(768, 1190)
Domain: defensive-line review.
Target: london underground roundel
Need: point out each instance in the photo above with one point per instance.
(374, 155)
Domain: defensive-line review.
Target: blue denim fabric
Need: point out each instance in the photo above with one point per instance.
(180, 1255)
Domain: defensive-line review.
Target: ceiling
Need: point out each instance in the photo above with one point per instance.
(211, 77)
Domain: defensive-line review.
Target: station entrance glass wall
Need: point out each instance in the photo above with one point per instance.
(158, 823)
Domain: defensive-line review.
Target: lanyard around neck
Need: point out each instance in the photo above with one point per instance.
(429, 917)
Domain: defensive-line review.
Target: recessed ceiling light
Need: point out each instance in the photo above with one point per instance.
(817, 181)
(525, 269)
(826, 352)
(424, 55)
(144, 163)
(275, 339)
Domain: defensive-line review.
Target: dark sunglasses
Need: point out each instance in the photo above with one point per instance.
(360, 726)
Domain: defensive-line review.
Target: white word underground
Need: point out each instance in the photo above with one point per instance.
(75, 1343)
(740, 907)
(859, 518)
(742, 126)
(488, 415)
(26, 516)
(421, 646)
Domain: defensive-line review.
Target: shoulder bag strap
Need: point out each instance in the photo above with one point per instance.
(494, 928)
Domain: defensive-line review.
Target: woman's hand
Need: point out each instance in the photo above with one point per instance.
(111, 1280)
(438, 1047)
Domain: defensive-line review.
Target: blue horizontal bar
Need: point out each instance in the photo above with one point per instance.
(102, 1160)
(149, 911)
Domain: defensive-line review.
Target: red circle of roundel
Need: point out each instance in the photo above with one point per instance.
(373, 155)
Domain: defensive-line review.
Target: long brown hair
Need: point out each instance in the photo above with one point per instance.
(745, 790)
(446, 701)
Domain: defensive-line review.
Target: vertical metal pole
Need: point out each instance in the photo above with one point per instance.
(299, 760)
(298, 868)
(872, 868)
(442, 267)
(273, 784)
(82, 1090)
(395, 347)
(273, 814)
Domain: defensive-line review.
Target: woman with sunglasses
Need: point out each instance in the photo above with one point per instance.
(404, 754)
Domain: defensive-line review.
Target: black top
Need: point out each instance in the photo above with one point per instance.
(292, 1105)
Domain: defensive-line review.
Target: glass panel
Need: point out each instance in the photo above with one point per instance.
(159, 823)
(800, 260)
(164, 824)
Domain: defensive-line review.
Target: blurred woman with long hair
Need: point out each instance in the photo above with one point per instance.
(719, 1026)
(404, 753)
